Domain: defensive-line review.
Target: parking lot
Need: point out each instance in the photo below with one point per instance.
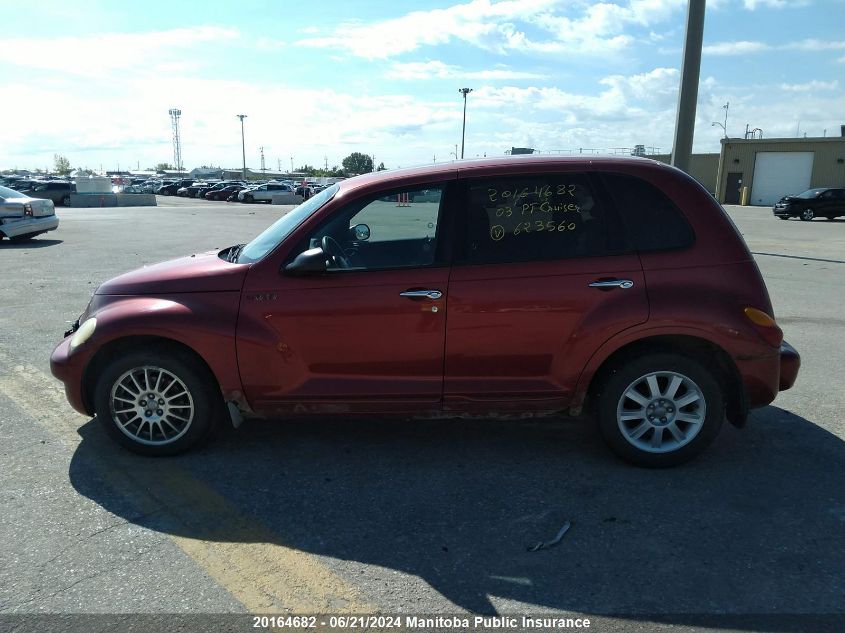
(411, 517)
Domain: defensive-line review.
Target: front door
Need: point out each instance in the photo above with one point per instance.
(545, 279)
(368, 334)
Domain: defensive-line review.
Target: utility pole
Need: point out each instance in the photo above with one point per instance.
(464, 92)
(263, 170)
(291, 164)
(243, 143)
(688, 93)
(175, 113)
(325, 163)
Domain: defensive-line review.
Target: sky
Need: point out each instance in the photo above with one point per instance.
(94, 80)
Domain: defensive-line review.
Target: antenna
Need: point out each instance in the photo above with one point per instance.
(177, 142)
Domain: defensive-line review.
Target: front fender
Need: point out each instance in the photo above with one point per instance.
(203, 322)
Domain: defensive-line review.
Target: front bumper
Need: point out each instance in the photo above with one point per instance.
(68, 369)
(790, 363)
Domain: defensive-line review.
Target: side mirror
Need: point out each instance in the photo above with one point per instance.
(362, 232)
(312, 261)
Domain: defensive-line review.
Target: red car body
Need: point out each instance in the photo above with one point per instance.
(527, 337)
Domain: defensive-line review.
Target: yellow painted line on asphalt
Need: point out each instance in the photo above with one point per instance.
(236, 550)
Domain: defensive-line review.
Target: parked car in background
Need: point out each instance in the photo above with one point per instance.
(22, 217)
(170, 189)
(304, 191)
(223, 193)
(215, 187)
(264, 193)
(192, 190)
(567, 284)
(56, 190)
(821, 202)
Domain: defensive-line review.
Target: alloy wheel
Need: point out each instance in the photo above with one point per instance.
(661, 412)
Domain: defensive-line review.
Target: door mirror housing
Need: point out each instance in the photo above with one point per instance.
(361, 232)
(310, 262)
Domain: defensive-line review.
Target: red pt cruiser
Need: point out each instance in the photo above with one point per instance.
(520, 286)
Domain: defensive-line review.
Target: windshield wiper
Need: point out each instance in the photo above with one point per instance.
(234, 253)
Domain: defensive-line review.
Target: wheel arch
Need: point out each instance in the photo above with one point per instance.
(711, 355)
(127, 344)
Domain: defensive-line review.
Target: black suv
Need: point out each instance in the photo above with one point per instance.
(822, 202)
(56, 190)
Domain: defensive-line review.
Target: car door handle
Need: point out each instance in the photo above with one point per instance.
(613, 283)
(421, 294)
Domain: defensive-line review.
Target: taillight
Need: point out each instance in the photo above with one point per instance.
(765, 325)
(27, 210)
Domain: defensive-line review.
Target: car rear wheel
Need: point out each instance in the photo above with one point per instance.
(156, 403)
(66, 201)
(249, 199)
(660, 409)
(807, 215)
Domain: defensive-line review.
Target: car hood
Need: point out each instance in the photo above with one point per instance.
(202, 272)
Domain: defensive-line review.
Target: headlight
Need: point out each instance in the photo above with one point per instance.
(83, 333)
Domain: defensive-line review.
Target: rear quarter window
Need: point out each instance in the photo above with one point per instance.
(653, 221)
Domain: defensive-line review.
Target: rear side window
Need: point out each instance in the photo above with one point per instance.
(536, 218)
(654, 223)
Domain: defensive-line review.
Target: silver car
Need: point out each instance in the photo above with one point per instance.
(22, 217)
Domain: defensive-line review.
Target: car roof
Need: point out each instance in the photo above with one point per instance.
(526, 163)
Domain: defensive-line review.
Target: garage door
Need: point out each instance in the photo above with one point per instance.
(778, 174)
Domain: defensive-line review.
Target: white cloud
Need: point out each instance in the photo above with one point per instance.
(494, 26)
(439, 70)
(811, 86)
(734, 48)
(816, 45)
(751, 5)
(97, 55)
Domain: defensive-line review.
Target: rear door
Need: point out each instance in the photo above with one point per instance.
(543, 276)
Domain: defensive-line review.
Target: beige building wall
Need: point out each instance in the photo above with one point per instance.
(740, 155)
(702, 167)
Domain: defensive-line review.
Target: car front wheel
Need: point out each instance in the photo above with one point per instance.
(156, 403)
(66, 201)
(660, 409)
(807, 215)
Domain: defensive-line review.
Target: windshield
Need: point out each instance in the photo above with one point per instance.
(284, 226)
(6, 193)
(810, 193)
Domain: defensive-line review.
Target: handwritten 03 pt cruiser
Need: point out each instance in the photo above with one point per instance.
(501, 287)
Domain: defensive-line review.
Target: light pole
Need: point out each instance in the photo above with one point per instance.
(464, 92)
(243, 145)
(724, 125)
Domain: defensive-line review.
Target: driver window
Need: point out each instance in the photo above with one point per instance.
(398, 230)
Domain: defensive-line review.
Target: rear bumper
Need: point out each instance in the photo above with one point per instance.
(790, 363)
(29, 225)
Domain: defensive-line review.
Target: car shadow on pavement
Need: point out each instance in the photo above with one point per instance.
(36, 243)
(754, 526)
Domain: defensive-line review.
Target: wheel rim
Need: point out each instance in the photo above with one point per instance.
(151, 405)
(808, 214)
(661, 412)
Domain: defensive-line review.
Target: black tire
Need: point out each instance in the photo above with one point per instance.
(66, 201)
(166, 192)
(249, 199)
(207, 402)
(807, 215)
(627, 373)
